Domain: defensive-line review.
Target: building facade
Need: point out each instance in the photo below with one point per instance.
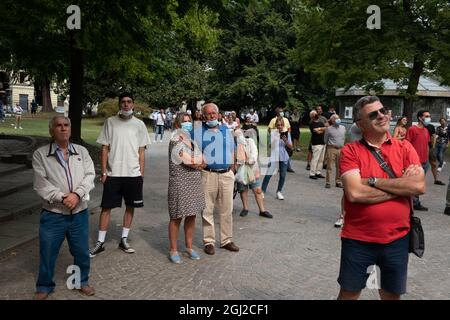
(431, 96)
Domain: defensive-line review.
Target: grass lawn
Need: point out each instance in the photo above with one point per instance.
(90, 129)
(38, 126)
(305, 136)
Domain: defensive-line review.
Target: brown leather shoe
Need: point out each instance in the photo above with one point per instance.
(231, 246)
(209, 249)
(87, 290)
(41, 296)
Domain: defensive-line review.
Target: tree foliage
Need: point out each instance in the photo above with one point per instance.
(252, 67)
(334, 43)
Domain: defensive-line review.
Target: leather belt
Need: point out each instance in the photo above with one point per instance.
(217, 170)
(334, 147)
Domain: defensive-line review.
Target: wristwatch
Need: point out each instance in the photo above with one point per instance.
(372, 181)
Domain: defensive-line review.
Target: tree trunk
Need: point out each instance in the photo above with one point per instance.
(46, 99)
(413, 84)
(76, 88)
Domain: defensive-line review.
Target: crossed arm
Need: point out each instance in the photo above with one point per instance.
(410, 184)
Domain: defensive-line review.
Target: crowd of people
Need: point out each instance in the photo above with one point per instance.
(213, 155)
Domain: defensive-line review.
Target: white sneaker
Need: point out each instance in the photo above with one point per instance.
(280, 196)
(20, 128)
(439, 169)
(339, 223)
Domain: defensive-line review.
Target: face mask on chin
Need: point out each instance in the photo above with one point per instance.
(126, 114)
(212, 123)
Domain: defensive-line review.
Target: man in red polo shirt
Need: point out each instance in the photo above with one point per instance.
(377, 207)
(419, 136)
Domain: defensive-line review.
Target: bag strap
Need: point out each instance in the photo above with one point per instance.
(377, 154)
(383, 164)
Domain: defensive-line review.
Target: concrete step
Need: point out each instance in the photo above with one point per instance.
(18, 232)
(18, 204)
(17, 157)
(9, 168)
(16, 181)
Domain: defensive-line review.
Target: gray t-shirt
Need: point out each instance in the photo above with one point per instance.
(124, 138)
(355, 133)
(335, 136)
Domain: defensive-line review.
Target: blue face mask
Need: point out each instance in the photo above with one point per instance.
(212, 123)
(427, 121)
(186, 126)
(338, 121)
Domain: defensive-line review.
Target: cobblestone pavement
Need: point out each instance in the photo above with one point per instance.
(293, 256)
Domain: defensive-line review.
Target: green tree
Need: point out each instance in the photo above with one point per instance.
(118, 41)
(252, 65)
(335, 45)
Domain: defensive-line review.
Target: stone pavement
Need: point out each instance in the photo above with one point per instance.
(293, 256)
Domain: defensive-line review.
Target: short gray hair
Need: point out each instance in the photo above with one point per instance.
(210, 104)
(361, 103)
(51, 122)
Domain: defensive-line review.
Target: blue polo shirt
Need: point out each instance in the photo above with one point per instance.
(217, 146)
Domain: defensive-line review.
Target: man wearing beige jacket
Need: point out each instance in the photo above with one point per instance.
(63, 177)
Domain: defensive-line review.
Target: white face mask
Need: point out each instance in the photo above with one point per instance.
(126, 113)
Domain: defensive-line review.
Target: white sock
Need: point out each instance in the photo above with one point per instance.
(101, 236)
(125, 232)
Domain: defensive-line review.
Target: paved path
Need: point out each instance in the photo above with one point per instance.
(294, 256)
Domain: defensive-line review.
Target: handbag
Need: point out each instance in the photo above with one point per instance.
(416, 234)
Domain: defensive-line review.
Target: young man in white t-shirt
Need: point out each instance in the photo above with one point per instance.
(123, 139)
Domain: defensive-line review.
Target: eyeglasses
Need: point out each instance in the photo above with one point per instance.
(374, 114)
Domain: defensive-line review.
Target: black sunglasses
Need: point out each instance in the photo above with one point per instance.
(374, 114)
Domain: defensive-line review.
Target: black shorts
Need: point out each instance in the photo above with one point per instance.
(128, 188)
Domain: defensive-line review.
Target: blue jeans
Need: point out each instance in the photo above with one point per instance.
(270, 172)
(440, 150)
(53, 229)
(160, 131)
(425, 166)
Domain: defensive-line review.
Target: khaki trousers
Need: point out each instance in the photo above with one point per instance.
(333, 156)
(317, 159)
(218, 188)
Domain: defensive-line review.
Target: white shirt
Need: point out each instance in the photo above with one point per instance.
(17, 110)
(160, 120)
(124, 138)
(254, 117)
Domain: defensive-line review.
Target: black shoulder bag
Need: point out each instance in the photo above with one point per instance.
(416, 234)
